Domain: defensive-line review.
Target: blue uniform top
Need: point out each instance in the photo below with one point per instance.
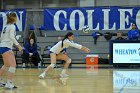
(133, 34)
(30, 49)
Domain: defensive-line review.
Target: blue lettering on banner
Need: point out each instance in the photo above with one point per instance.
(125, 51)
(21, 19)
(97, 18)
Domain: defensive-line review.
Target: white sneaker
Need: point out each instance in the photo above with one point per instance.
(9, 85)
(23, 65)
(64, 75)
(42, 75)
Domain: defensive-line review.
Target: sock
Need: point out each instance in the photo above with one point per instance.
(44, 73)
(9, 81)
(63, 71)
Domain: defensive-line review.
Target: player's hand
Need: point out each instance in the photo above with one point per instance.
(19, 48)
(87, 50)
(30, 54)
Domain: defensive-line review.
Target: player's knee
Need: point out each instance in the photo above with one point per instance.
(12, 69)
(52, 65)
(68, 60)
(5, 68)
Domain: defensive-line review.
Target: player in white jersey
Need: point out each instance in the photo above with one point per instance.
(7, 41)
(56, 54)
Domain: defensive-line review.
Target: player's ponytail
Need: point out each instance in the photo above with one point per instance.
(11, 17)
(66, 37)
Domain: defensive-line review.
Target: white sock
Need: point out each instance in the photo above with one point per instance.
(9, 81)
(63, 71)
(44, 73)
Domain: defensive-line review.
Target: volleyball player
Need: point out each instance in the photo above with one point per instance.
(56, 54)
(7, 41)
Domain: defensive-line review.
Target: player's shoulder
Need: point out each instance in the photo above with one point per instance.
(130, 31)
(12, 26)
(67, 40)
(137, 29)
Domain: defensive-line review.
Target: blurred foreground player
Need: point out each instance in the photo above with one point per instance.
(7, 41)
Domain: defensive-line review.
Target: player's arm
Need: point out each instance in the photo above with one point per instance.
(12, 37)
(78, 46)
(87, 50)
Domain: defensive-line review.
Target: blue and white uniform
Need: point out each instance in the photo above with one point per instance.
(8, 38)
(66, 43)
(133, 34)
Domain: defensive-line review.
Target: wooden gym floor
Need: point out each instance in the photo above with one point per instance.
(85, 79)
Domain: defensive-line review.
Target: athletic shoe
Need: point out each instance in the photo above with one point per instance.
(23, 65)
(64, 75)
(2, 84)
(42, 75)
(9, 85)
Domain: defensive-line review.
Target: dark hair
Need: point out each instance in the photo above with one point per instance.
(30, 42)
(133, 24)
(10, 17)
(66, 36)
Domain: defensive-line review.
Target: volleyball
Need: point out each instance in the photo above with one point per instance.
(86, 29)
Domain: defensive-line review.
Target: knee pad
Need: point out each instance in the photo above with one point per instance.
(5, 68)
(52, 65)
(12, 69)
(68, 61)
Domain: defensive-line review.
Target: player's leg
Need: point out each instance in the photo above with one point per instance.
(64, 57)
(35, 59)
(51, 66)
(2, 70)
(67, 60)
(25, 59)
(4, 67)
(9, 60)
